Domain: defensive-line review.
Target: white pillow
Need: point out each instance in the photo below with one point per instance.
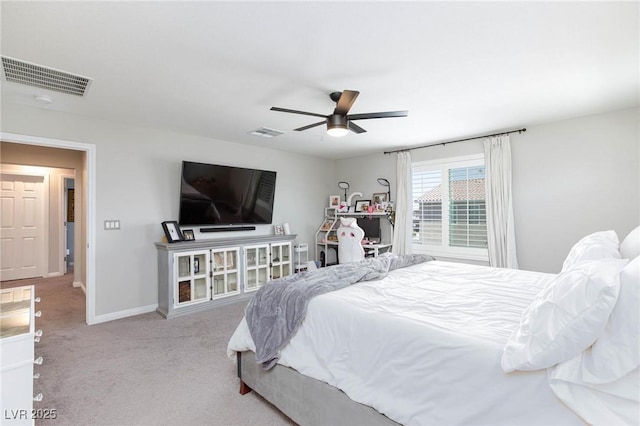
(617, 350)
(630, 246)
(599, 245)
(566, 317)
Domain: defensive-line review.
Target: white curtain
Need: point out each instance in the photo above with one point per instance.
(500, 226)
(403, 207)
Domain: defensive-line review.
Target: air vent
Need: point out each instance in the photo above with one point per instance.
(21, 72)
(266, 132)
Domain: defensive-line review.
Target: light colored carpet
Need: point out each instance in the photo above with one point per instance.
(142, 370)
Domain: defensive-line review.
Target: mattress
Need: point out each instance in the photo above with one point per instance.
(423, 346)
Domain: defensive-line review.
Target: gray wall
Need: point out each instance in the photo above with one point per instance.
(570, 178)
(137, 182)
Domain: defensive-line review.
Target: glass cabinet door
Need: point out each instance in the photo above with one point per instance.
(257, 266)
(192, 270)
(225, 272)
(286, 253)
(280, 260)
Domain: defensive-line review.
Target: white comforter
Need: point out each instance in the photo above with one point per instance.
(423, 346)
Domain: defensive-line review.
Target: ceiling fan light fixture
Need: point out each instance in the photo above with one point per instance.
(337, 125)
(337, 131)
(341, 122)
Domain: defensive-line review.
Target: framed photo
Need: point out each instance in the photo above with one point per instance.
(188, 235)
(172, 231)
(334, 201)
(379, 198)
(278, 230)
(327, 225)
(362, 206)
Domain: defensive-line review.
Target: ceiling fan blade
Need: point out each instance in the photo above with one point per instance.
(355, 128)
(346, 101)
(299, 129)
(294, 111)
(388, 114)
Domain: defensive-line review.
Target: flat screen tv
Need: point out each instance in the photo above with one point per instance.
(370, 226)
(213, 194)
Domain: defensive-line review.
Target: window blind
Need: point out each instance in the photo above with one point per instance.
(449, 213)
(427, 207)
(467, 211)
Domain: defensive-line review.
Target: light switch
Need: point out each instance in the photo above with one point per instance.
(112, 225)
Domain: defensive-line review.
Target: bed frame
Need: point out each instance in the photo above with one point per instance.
(303, 399)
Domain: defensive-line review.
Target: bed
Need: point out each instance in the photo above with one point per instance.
(442, 343)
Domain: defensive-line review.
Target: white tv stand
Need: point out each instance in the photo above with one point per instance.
(198, 275)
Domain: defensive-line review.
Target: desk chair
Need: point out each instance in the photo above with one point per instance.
(350, 236)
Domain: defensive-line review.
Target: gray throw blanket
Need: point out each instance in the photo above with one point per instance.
(277, 309)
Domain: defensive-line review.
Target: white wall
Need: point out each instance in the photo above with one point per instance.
(137, 182)
(570, 178)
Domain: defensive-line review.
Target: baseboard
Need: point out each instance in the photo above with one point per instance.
(81, 285)
(54, 274)
(124, 314)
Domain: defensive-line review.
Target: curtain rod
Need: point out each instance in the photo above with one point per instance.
(459, 140)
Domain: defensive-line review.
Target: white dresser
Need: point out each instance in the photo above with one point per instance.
(17, 336)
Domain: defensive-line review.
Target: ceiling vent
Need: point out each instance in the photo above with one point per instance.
(266, 132)
(21, 72)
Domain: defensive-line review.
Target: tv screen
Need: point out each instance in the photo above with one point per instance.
(370, 226)
(223, 195)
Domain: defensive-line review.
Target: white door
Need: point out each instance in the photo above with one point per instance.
(21, 223)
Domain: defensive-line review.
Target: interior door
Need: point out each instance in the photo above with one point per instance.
(21, 226)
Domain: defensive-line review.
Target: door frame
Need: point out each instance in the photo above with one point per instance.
(90, 200)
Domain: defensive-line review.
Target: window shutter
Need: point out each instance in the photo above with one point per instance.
(449, 214)
(467, 212)
(427, 207)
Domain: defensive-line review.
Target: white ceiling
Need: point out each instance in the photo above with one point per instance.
(215, 68)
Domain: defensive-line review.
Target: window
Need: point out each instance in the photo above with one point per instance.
(449, 214)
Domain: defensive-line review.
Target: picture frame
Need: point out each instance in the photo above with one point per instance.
(278, 230)
(327, 225)
(362, 206)
(188, 235)
(334, 201)
(379, 198)
(172, 231)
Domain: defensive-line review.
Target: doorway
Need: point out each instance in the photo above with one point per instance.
(68, 188)
(85, 195)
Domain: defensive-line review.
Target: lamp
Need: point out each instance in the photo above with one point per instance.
(345, 186)
(385, 182)
(337, 125)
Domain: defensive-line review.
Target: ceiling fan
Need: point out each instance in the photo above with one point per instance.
(340, 122)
